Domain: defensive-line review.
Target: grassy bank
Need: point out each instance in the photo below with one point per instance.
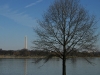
(30, 57)
(8, 56)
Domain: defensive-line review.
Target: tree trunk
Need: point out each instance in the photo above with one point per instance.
(64, 66)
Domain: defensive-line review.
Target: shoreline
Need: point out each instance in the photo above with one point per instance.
(30, 57)
(19, 57)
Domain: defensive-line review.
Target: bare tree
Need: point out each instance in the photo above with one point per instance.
(66, 26)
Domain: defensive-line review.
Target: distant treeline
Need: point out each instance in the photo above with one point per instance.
(36, 53)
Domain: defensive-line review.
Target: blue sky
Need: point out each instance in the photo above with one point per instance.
(19, 17)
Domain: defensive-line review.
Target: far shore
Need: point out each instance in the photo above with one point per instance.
(27, 57)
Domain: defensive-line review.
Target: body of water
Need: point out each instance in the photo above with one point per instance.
(77, 66)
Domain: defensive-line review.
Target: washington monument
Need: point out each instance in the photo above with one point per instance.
(25, 42)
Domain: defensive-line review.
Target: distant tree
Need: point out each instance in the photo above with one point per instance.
(0, 49)
(66, 26)
(17, 53)
(24, 52)
(10, 52)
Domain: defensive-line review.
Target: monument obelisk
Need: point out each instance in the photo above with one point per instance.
(25, 42)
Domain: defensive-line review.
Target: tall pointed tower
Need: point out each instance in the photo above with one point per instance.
(25, 42)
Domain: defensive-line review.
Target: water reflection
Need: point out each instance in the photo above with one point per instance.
(25, 67)
(77, 66)
(73, 61)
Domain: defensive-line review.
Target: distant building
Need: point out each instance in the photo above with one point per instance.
(25, 43)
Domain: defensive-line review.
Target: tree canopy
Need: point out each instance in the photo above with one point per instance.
(66, 24)
(66, 27)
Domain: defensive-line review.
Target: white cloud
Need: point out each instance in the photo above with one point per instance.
(21, 18)
(34, 3)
